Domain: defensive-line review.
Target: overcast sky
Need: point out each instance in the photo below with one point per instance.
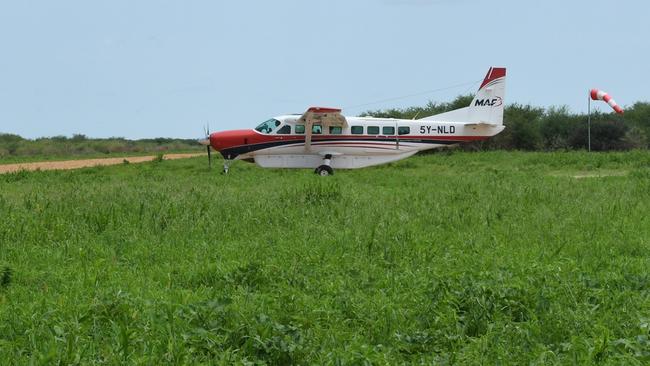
(166, 68)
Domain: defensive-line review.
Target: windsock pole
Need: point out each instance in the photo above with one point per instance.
(589, 121)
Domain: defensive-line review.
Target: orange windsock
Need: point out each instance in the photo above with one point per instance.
(601, 95)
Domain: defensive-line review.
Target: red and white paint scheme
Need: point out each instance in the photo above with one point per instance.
(601, 95)
(324, 139)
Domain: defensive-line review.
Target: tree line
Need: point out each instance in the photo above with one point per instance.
(548, 129)
(12, 145)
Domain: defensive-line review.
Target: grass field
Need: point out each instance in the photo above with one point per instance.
(449, 258)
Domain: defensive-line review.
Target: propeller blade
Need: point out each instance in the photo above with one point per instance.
(206, 142)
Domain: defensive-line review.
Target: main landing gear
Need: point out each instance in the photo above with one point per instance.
(325, 169)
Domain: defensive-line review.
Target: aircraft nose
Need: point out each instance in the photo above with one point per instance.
(215, 141)
(230, 142)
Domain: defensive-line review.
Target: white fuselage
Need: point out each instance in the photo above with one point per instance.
(363, 142)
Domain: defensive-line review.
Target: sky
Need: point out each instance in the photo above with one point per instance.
(145, 68)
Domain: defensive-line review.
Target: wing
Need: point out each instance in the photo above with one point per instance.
(324, 116)
(321, 116)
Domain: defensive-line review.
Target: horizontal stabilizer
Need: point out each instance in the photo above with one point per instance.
(480, 124)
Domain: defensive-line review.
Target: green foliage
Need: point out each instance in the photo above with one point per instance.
(420, 112)
(556, 128)
(8, 138)
(605, 135)
(522, 126)
(637, 116)
(454, 258)
(15, 148)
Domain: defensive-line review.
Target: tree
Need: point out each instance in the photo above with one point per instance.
(430, 109)
(638, 118)
(605, 135)
(556, 126)
(6, 138)
(522, 127)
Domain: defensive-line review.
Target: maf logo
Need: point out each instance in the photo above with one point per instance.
(494, 102)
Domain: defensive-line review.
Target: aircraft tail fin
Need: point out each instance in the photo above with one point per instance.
(488, 103)
(486, 107)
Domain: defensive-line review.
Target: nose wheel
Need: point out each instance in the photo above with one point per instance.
(325, 169)
(226, 163)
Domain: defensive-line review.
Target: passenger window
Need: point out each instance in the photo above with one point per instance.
(317, 129)
(284, 130)
(403, 130)
(300, 129)
(357, 130)
(373, 130)
(388, 130)
(335, 130)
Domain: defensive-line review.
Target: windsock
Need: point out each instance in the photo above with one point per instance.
(601, 95)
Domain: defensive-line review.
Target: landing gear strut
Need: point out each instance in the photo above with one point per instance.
(325, 169)
(226, 165)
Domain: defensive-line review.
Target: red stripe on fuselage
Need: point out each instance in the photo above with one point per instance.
(387, 143)
(233, 139)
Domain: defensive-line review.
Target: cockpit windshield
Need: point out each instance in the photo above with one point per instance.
(268, 126)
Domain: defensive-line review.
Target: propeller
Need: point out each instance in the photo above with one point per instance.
(206, 142)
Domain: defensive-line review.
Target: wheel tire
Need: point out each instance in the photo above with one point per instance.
(324, 170)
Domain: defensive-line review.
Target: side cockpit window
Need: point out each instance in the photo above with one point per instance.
(268, 126)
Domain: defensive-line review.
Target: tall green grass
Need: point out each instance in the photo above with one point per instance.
(451, 258)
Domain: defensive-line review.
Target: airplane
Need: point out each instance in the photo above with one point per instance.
(323, 139)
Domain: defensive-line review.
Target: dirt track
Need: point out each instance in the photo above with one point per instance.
(76, 164)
